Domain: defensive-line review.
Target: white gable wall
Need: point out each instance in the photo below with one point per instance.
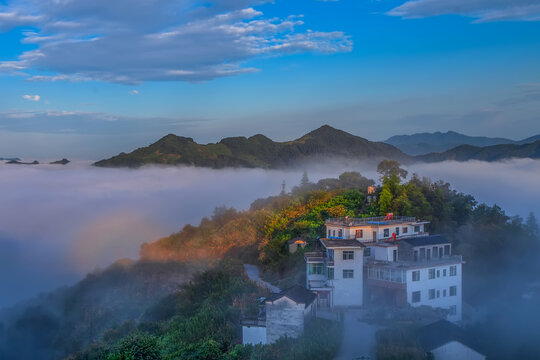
(284, 318)
(456, 351)
(253, 335)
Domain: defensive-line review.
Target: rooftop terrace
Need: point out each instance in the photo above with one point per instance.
(377, 221)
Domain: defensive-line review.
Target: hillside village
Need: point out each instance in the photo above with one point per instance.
(387, 261)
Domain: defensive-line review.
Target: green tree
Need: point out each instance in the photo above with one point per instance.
(385, 201)
(387, 168)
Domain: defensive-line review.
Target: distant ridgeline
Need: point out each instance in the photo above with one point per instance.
(326, 142)
(438, 142)
(257, 151)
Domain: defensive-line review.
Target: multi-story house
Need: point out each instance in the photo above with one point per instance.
(385, 260)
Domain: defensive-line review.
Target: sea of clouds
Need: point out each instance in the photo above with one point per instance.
(57, 223)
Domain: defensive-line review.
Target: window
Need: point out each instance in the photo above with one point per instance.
(428, 254)
(431, 294)
(367, 252)
(415, 255)
(329, 233)
(397, 231)
(444, 293)
(405, 230)
(334, 233)
(438, 273)
(453, 310)
(417, 228)
(422, 253)
(386, 232)
(416, 275)
(431, 273)
(348, 255)
(435, 251)
(447, 250)
(330, 273)
(316, 269)
(438, 293)
(416, 296)
(348, 274)
(444, 272)
(453, 270)
(359, 234)
(440, 252)
(453, 290)
(340, 233)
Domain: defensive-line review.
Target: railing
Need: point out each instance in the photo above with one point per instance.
(253, 322)
(447, 259)
(315, 256)
(377, 220)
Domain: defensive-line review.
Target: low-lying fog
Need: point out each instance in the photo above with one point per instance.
(59, 222)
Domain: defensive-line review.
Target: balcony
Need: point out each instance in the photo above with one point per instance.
(403, 264)
(318, 257)
(315, 256)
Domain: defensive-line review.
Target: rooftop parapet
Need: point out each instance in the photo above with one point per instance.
(373, 221)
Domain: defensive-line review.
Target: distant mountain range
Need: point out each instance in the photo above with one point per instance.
(257, 151)
(425, 143)
(487, 153)
(326, 142)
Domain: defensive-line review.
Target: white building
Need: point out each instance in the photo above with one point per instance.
(283, 314)
(402, 263)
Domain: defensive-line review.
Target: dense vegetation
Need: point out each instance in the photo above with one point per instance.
(257, 151)
(64, 321)
(201, 320)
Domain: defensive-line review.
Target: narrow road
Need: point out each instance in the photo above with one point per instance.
(358, 337)
(252, 272)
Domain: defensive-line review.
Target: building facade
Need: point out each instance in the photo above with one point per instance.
(283, 315)
(385, 260)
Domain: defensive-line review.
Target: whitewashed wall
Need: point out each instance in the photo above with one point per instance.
(440, 284)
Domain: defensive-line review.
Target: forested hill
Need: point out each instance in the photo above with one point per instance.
(257, 151)
(139, 311)
(488, 153)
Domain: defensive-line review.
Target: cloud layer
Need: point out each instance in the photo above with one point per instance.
(482, 10)
(57, 223)
(129, 41)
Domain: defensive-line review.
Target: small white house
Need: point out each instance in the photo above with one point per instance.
(285, 314)
(447, 341)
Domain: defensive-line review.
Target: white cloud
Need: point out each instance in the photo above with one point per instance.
(32, 97)
(481, 10)
(160, 40)
(134, 92)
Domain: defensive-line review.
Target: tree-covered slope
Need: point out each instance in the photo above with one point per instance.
(256, 151)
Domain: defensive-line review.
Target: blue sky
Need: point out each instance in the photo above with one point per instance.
(90, 79)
